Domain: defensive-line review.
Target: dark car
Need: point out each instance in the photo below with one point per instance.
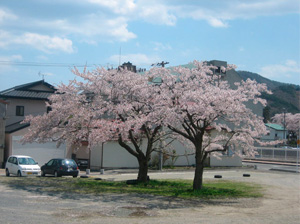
(82, 163)
(60, 167)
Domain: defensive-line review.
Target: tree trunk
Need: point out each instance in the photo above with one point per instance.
(198, 177)
(143, 169)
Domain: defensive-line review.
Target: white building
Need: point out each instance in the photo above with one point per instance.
(276, 132)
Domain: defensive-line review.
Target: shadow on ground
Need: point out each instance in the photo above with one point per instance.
(53, 187)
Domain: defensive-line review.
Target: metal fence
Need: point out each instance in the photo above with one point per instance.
(278, 154)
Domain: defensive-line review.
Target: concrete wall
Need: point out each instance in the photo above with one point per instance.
(114, 156)
(226, 161)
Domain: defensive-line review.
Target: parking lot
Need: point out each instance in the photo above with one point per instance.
(281, 203)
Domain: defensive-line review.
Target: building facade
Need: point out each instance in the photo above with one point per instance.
(20, 101)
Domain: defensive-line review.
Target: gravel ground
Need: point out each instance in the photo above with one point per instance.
(281, 203)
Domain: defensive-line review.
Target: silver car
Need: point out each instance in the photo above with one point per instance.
(21, 166)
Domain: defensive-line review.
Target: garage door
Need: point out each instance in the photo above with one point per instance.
(42, 153)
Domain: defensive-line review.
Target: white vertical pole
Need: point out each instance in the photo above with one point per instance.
(285, 154)
(297, 167)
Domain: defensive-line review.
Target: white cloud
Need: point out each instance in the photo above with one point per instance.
(284, 71)
(46, 43)
(263, 8)
(150, 11)
(216, 22)
(43, 43)
(92, 28)
(117, 6)
(111, 18)
(6, 15)
(161, 47)
(137, 59)
(219, 13)
(156, 14)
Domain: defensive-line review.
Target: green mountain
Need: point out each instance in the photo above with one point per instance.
(285, 96)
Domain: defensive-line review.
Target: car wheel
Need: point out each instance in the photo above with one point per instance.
(7, 172)
(19, 173)
(42, 173)
(75, 176)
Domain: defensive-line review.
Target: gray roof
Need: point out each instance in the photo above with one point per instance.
(15, 127)
(24, 91)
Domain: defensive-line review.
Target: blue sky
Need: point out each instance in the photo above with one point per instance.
(46, 38)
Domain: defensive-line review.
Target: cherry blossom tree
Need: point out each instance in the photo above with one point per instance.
(204, 111)
(292, 121)
(198, 106)
(105, 105)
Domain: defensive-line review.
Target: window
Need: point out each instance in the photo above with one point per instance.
(20, 111)
(50, 162)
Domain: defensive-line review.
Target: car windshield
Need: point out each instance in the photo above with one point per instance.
(26, 161)
(68, 162)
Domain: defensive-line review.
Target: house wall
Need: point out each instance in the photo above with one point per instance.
(273, 135)
(33, 107)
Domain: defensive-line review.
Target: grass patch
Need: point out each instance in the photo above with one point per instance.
(174, 188)
(178, 188)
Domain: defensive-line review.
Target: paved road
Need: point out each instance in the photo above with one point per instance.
(280, 205)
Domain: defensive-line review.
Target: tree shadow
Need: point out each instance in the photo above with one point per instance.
(52, 187)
